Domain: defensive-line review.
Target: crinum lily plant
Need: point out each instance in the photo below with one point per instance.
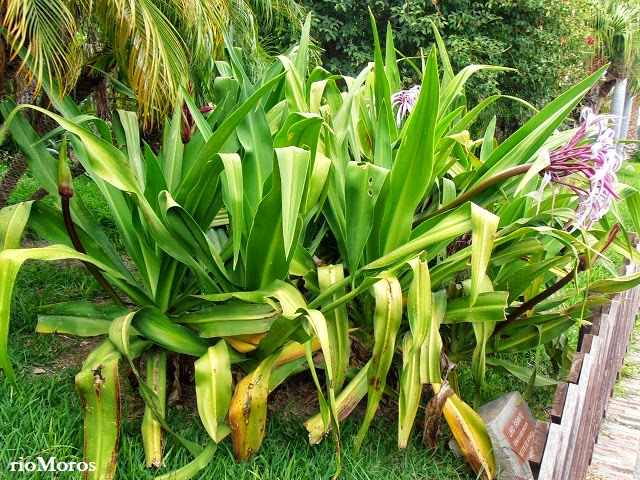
(304, 213)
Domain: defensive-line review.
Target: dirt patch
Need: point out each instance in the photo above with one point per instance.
(70, 353)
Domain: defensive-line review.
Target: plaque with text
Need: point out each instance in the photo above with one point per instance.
(519, 432)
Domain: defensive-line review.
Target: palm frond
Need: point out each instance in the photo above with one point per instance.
(616, 29)
(46, 29)
(148, 48)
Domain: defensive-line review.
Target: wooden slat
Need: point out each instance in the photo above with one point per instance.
(574, 406)
(563, 449)
(574, 372)
(586, 344)
(550, 455)
(539, 444)
(591, 413)
(558, 402)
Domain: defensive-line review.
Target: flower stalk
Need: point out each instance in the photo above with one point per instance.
(65, 189)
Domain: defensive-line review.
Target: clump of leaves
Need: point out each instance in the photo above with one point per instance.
(295, 213)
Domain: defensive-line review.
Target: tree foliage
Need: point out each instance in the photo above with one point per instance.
(545, 40)
(153, 47)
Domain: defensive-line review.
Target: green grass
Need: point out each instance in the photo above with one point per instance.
(631, 366)
(44, 418)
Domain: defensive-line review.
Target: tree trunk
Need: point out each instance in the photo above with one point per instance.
(598, 93)
(624, 128)
(632, 132)
(17, 168)
(617, 106)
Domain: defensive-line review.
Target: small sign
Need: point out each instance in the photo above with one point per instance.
(519, 432)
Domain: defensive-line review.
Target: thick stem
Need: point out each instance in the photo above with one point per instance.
(475, 190)
(583, 264)
(556, 287)
(77, 244)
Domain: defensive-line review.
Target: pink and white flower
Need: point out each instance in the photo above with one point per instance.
(590, 155)
(404, 101)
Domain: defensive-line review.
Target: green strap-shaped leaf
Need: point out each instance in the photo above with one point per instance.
(266, 258)
(302, 53)
(289, 298)
(337, 324)
(616, 285)
(293, 164)
(484, 226)
(300, 129)
(213, 390)
(204, 200)
(157, 327)
(156, 380)
(13, 219)
(233, 195)
(386, 323)
(518, 282)
(10, 262)
(447, 76)
(431, 349)
(489, 307)
(382, 151)
(381, 92)
(294, 87)
(185, 228)
(522, 373)
(173, 150)
(391, 62)
(443, 227)
(456, 86)
(80, 326)
(363, 183)
(248, 410)
(414, 161)
(410, 389)
(482, 331)
(192, 468)
(230, 319)
(530, 336)
(318, 184)
(126, 123)
(99, 389)
(419, 304)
